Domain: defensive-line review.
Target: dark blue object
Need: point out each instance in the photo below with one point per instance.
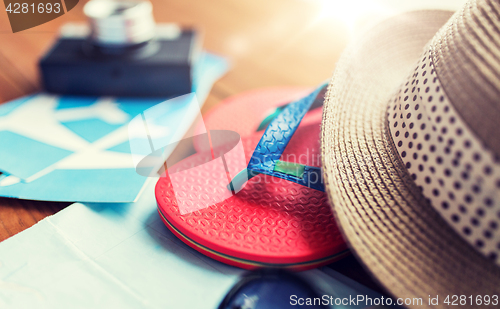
(161, 67)
(270, 289)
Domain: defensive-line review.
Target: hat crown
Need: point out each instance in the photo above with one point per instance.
(466, 57)
(403, 239)
(443, 123)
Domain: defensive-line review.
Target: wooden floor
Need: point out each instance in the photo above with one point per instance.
(270, 43)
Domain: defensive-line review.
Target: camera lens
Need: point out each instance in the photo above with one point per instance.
(120, 23)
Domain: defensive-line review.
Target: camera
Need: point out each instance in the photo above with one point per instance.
(121, 53)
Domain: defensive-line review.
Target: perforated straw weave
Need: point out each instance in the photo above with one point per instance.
(391, 226)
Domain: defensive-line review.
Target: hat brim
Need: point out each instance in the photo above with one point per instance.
(387, 221)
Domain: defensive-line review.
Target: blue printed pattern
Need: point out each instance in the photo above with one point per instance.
(59, 150)
(278, 135)
(77, 148)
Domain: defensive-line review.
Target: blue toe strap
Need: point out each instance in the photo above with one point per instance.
(276, 138)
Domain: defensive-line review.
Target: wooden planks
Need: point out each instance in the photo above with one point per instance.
(17, 215)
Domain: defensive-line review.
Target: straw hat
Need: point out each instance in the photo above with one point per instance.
(411, 150)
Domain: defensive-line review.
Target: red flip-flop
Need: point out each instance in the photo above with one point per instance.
(271, 222)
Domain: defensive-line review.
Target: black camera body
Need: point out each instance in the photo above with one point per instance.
(160, 67)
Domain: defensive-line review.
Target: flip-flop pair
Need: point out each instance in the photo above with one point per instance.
(273, 212)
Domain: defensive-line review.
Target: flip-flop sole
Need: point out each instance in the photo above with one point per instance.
(271, 222)
(244, 112)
